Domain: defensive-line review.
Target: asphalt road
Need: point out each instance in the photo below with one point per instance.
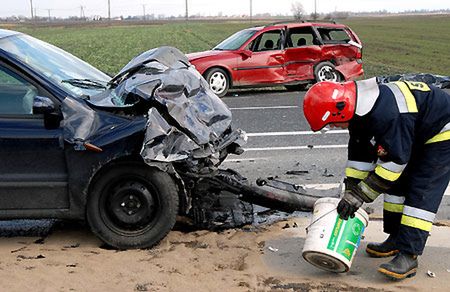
(280, 140)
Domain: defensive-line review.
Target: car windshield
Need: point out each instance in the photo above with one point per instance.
(54, 63)
(235, 41)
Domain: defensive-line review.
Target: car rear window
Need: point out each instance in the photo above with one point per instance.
(334, 35)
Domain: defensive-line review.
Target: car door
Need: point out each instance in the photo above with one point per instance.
(33, 173)
(302, 53)
(266, 62)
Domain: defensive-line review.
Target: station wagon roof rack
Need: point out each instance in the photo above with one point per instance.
(303, 21)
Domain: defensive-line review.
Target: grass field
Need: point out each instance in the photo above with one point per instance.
(391, 44)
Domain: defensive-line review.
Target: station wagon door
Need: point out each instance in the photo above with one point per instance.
(33, 171)
(302, 53)
(266, 63)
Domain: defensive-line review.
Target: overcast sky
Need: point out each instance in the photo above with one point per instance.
(206, 7)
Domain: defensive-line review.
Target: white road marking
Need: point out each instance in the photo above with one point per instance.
(295, 148)
(246, 159)
(321, 186)
(263, 107)
(295, 133)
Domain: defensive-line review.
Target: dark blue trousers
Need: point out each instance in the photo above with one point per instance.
(410, 206)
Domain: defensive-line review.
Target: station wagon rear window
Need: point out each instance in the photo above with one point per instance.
(334, 35)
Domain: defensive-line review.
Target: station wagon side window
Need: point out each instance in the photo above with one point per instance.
(268, 41)
(301, 36)
(16, 94)
(334, 35)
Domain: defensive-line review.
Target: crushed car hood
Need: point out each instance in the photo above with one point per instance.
(183, 119)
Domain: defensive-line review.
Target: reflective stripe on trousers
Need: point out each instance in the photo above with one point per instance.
(417, 218)
(393, 204)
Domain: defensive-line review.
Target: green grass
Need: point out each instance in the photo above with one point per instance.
(391, 44)
(404, 44)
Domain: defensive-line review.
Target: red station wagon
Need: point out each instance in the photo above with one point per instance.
(289, 54)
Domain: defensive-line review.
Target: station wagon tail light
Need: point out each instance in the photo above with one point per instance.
(359, 54)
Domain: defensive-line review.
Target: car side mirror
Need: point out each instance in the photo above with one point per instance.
(246, 53)
(46, 106)
(43, 105)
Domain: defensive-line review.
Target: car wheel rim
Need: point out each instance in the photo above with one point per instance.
(218, 82)
(327, 73)
(130, 207)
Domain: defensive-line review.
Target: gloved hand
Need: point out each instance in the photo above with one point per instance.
(349, 204)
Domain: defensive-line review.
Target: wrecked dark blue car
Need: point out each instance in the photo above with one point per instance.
(126, 153)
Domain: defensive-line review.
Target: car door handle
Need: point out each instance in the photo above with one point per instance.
(278, 57)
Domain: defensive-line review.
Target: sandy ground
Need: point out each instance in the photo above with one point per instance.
(72, 259)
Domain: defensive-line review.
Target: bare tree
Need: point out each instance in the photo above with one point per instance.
(298, 10)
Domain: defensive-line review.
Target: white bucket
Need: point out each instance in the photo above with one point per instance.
(331, 242)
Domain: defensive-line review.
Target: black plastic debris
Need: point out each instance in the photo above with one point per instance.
(23, 257)
(326, 173)
(297, 172)
(430, 79)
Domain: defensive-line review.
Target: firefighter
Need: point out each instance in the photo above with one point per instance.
(399, 146)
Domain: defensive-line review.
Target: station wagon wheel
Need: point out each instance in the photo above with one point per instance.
(326, 71)
(218, 81)
(132, 206)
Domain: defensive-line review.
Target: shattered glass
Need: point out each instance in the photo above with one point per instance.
(430, 79)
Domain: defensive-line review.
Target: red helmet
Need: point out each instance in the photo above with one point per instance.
(329, 102)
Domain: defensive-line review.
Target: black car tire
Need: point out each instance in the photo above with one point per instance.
(326, 71)
(218, 81)
(297, 87)
(132, 206)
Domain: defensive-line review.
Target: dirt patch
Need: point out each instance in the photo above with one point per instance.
(321, 287)
(72, 259)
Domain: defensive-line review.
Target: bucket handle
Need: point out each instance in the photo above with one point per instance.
(312, 223)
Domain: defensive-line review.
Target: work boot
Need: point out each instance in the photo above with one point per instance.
(402, 266)
(381, 250)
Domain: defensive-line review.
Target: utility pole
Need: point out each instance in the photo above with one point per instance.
(49, 17)
(187, 11)
(109, 10)
(251, 11)
(31, 5)
(82, 12)
(315, 9)
(143, 10)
